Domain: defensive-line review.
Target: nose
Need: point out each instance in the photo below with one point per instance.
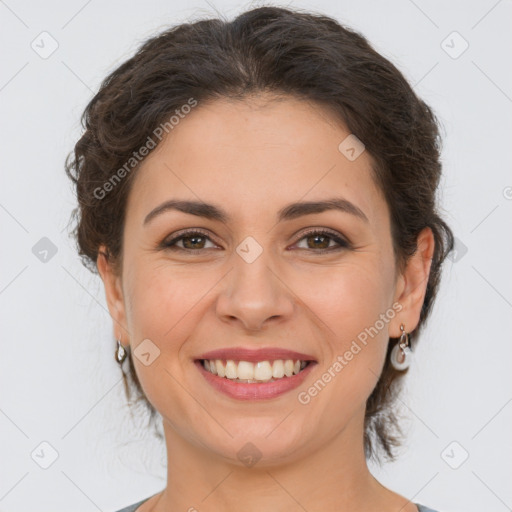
(253, 294)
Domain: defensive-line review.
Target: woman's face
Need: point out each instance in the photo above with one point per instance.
(261, 278)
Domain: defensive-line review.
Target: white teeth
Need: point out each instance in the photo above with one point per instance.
(288, 367)
(221, 371)
(261, 371)
(278, 369)
(231, 369)
(245, 370)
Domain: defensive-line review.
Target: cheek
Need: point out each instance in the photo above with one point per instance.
(160, 300)
(354, 303)
(161, 311)
(347, 297)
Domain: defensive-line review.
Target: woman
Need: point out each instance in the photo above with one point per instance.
(258, 197)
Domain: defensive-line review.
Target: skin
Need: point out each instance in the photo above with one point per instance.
(252, 158)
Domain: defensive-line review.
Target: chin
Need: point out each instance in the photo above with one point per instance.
(259, 442)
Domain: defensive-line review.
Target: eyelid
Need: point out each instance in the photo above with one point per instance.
(319, 229)
(168, 242)
(338, 238)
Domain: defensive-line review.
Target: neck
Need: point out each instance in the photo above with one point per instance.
(333, 476)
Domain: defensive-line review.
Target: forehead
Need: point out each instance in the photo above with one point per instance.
(250, 155)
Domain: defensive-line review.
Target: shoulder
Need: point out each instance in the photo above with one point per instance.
(423, 508)
(133, 508)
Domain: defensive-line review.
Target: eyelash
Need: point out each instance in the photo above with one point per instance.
(343, 244)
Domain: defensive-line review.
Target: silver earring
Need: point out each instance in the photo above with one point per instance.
(120, 353)
(401, 354)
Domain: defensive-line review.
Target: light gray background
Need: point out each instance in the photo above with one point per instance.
(58, 380)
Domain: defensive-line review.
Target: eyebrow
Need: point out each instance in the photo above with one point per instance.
(289, 212)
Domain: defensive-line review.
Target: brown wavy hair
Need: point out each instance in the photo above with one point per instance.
(286, 53)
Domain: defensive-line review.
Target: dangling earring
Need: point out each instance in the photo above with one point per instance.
(401, 354)
(120, 353)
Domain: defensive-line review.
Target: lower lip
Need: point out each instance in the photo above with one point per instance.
(265, 390)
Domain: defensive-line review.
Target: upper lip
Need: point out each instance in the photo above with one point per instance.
(260, 354)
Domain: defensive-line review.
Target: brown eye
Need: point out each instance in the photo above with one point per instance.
(317, 241)
(320, 240)
(191, 241)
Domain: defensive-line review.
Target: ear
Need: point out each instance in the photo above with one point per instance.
(114, 295)
(412, 284)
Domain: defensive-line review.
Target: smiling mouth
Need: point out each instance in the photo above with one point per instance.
(258, 372)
